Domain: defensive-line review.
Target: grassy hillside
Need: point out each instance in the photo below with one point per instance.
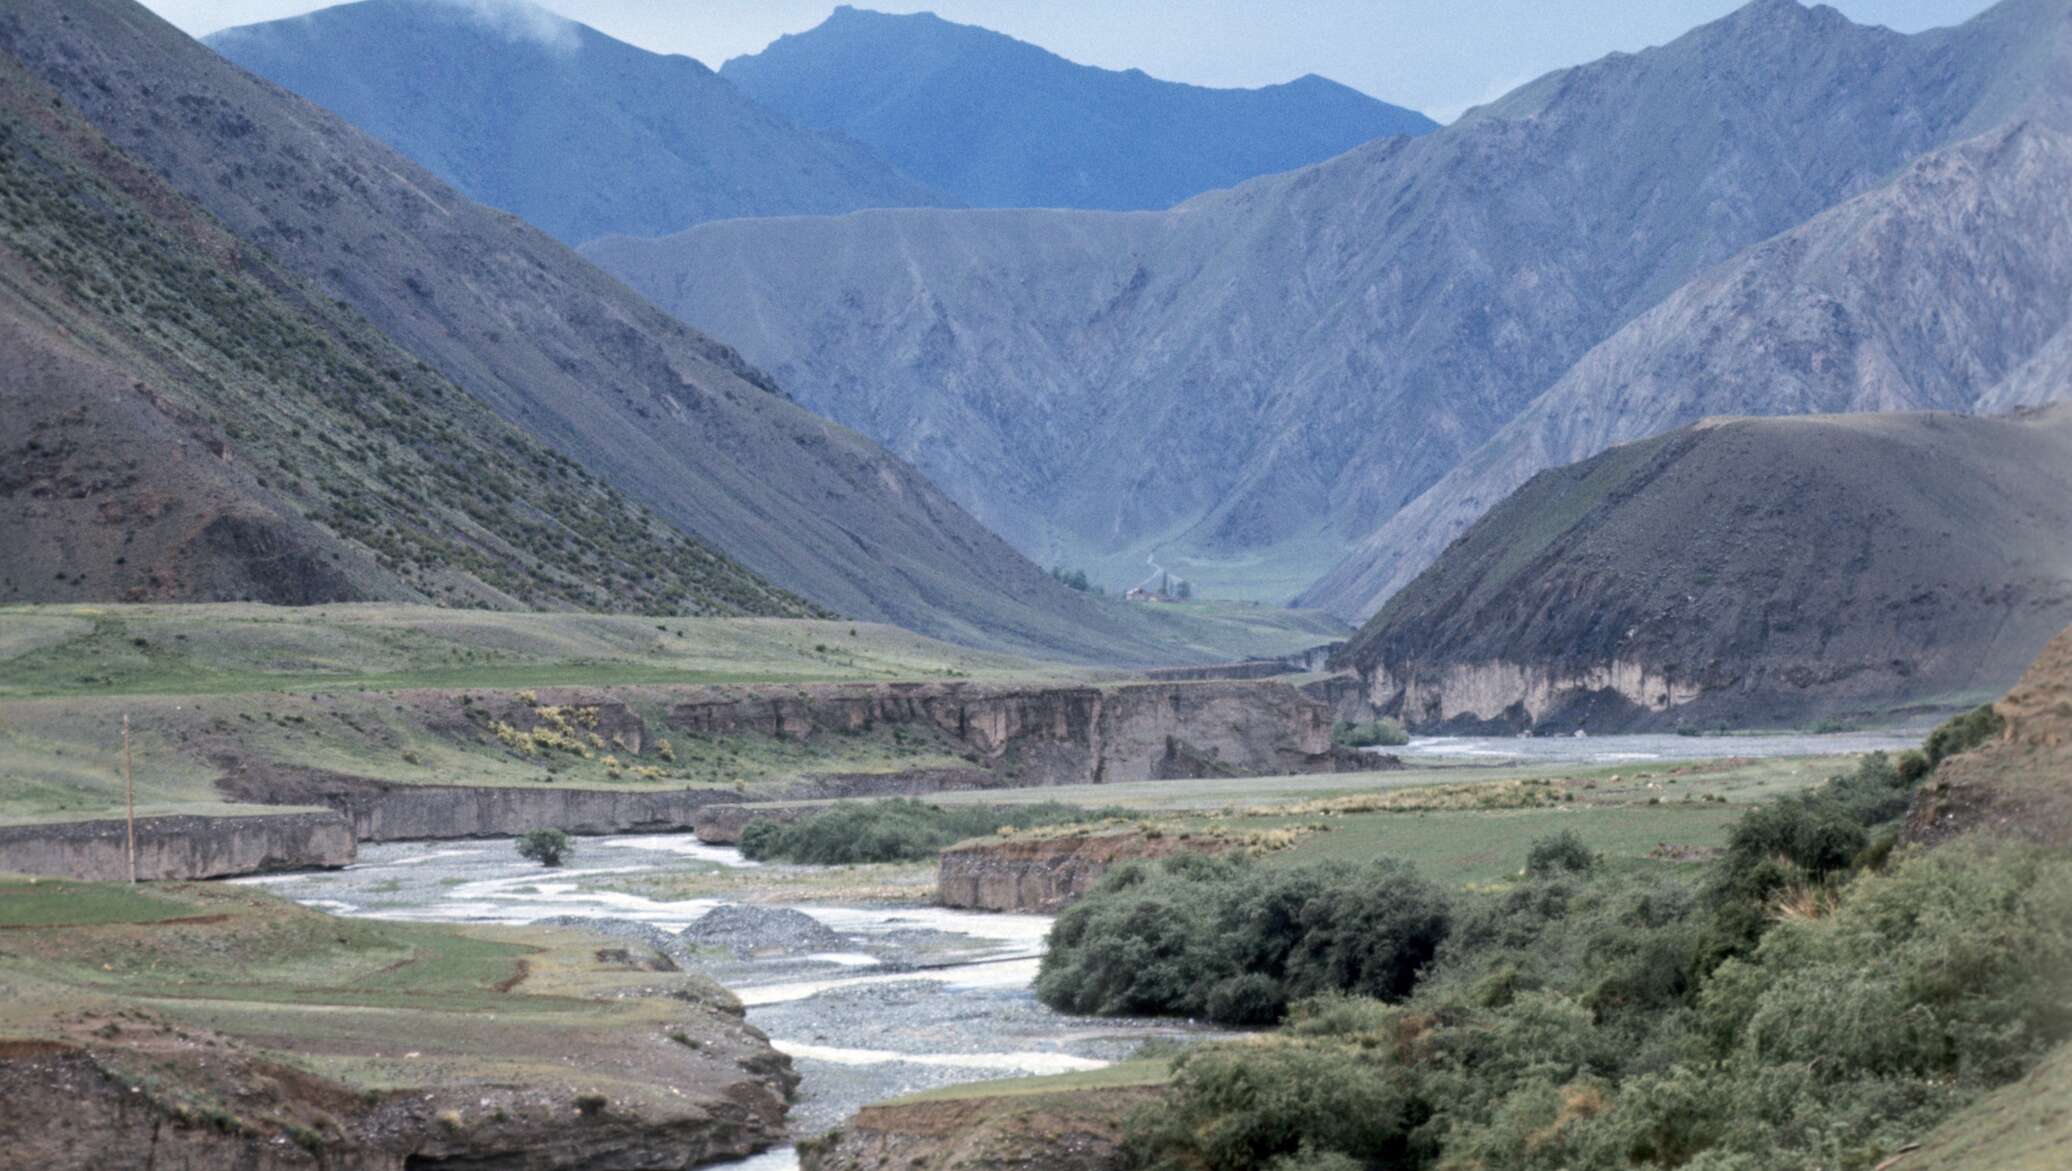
(1748, 570)
(187, 422)
(669, 416)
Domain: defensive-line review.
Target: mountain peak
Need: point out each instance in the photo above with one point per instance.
(998, 122)
(581, 134)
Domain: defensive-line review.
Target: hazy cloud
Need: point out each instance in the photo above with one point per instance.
(521, 20)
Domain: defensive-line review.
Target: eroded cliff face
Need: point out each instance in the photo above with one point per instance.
(385, 811)
(1042, 875)
(1048, 735)
(1510, 696)
(1010, 735)
(178, 848)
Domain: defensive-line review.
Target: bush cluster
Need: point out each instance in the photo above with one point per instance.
(897, 830)
(1813, 998)
(1232, 941)
(1382, 733)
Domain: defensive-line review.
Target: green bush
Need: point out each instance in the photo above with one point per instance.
(1235, 942)
(898, 830)
(548, 847)
(1284, 1104)
(1963, 733)
(1559, 852)
(1382, 733)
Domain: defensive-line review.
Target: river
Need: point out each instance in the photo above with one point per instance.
(884, 999)
(898, 998)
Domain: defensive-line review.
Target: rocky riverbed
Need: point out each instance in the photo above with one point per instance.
(871, 1000)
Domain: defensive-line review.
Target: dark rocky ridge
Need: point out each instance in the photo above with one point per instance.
(1277, 368)
(578, 134)
(669, 416)
(1744, 572)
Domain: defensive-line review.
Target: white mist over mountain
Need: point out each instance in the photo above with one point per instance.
(1438, 56)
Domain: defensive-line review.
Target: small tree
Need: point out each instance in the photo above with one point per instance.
(548, 847)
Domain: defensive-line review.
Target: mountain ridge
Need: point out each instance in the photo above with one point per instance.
(1943, 289)
(1242, 386)
(999, 122)
(669, 416)
(578, 133)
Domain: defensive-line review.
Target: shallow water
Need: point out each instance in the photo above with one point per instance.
(916, 997)
(1646, 747)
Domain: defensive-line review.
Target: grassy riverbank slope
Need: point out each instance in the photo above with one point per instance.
(220, 1021)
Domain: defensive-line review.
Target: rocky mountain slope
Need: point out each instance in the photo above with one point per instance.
(1001, 123)
(670, 417)
(1949, 289)
(1744, 571)
(579, 134)
(187, 422)
(1243, 385)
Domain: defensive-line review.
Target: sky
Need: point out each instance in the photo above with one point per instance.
(1439, 56)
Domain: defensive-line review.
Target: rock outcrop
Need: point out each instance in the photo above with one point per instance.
(1038, 735)
(178, 848)
(1043, 874)
(386, 811)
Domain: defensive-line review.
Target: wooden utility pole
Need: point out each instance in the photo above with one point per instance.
(129, 794)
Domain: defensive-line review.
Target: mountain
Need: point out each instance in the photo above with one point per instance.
(997, 122)
(187, 423)
(1744, 572)
(658, 411)
(579, 134)
(1949, 288)
(1244, 386)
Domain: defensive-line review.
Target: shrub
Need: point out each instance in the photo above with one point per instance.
(1234, 942)
(1962, 734)
(548, 847)
(1555, 853)
(898, 830)
(1235, 1108)
(1382, 733)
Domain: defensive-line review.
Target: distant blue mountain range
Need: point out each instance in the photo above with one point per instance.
(578, 133)
(996, 122)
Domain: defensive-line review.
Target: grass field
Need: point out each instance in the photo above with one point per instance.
(232, 648)
(377, 1005)
(1462, 824)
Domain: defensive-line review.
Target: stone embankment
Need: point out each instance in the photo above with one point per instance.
(186, 847)
(1042, 874)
